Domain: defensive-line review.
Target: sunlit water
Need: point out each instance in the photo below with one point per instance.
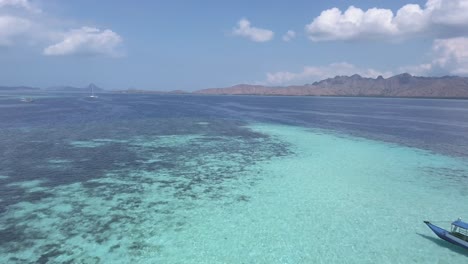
(199, 179)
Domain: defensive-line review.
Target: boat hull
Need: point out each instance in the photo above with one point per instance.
(446, 235)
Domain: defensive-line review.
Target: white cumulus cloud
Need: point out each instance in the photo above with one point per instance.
(449, 56)
(244, 29)
(448, 12)
(87, 41)
(24, 4)
(411, 19)
(289, 35)
(22, 23)
(12, 27)
(317, 73)
(16, 20)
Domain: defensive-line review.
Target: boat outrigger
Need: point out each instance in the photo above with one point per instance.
(458, 234)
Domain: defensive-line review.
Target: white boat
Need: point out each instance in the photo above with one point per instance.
(92, 96)
(26, 100)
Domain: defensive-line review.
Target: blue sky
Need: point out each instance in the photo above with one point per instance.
(189, 45)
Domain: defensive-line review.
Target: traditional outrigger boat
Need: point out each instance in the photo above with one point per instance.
(458, 234)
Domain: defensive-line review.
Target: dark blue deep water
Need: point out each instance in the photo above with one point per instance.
(32, 133)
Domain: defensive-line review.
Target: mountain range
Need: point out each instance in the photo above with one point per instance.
(86, 89)
(19, 88)
(402, 85)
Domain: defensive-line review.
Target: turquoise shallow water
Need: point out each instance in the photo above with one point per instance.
(294, 195)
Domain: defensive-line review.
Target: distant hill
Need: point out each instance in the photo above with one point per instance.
(139, 91)
(402, 85)
(18, 88)
(86, 89)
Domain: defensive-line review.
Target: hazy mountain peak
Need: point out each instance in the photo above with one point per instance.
(401, 85)
(93, 86)
(356, 76)
(403, 75)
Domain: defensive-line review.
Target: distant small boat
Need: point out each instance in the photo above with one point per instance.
(27, 100)
(458, 234)
(93, 96)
